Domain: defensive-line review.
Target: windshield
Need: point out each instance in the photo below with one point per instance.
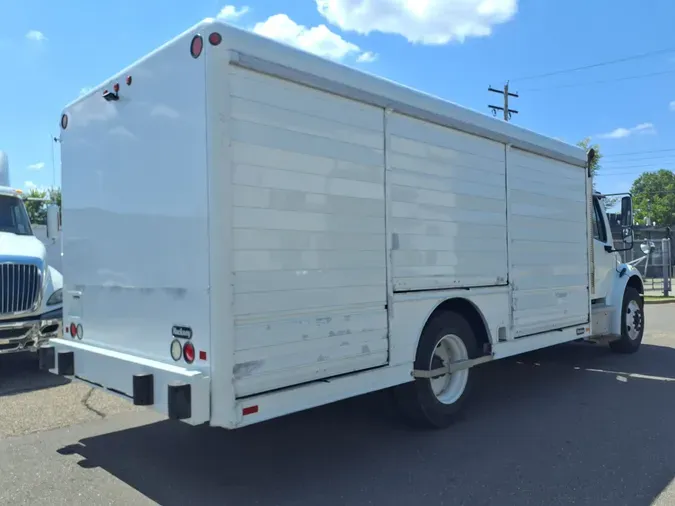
(13, 216)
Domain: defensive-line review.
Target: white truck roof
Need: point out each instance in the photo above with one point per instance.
(254, 52)
(6, 190)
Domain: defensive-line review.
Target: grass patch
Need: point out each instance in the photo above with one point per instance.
(658, 299)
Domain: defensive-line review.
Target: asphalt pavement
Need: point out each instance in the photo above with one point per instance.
(574, 424)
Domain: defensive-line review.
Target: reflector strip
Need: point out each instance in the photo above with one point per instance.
(249, 410)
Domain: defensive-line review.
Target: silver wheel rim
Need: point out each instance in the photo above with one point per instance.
(449, 388)
(633, 320)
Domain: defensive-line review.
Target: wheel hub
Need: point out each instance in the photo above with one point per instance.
(448, 388)
(634, 320)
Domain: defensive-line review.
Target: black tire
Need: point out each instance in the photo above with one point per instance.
(416, 399)
(627, 344)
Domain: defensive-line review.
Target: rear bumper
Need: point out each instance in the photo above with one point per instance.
(29, 334)
(174, 391)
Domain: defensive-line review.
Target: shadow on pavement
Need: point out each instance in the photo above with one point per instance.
(19, 373)
(539, 431)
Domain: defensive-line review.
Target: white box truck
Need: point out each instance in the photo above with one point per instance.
(250, 230)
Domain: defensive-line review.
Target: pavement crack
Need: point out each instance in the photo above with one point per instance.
(85, 403)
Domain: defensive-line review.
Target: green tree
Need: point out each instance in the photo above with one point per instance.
(596, 167)
(55, 196)
(595, 164)
(654, 197)
(37, 209)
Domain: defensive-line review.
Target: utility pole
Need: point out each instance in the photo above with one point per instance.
(505, 109)
(54, 141)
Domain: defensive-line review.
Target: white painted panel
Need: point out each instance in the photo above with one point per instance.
(447, 207)
(139, 256)
(286, 350)
(548, 249)
(304, 163)
(309, 244)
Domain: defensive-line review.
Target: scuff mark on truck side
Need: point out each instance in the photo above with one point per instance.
(247, 368)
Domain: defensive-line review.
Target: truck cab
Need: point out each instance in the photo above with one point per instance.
(611, 278)
(30, 290)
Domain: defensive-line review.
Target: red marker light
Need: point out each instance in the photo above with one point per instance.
(249, 410)
(128, 80)
(116, 87)
(202, 355)
(196, 46)
(73, 330)
(189, 352)
(215, 38)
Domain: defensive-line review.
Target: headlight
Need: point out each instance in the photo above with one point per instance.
(55, 298)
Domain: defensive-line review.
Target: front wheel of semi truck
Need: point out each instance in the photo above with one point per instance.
(436, 402)
(632, 323)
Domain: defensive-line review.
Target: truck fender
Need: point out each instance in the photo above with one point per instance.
(626, 275)
(469, 310)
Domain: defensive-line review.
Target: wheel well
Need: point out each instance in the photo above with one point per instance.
(635, 282)
(469, 311)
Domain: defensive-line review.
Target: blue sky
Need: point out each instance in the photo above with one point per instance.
(50, 51)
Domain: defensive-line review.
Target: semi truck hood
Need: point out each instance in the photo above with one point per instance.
(28, 246)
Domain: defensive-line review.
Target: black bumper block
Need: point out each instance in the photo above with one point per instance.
(47, 358)
(180, 401)
(144, 389)
(65, 363)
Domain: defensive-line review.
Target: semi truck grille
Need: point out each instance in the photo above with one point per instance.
(19, 288)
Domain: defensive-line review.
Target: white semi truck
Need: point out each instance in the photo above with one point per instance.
(250, 230)
(30, 290)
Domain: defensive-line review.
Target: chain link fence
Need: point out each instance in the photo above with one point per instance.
(652, 254)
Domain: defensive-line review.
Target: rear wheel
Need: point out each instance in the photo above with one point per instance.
(632, 323)
(437, 402)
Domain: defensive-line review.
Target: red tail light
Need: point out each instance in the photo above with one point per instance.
(196, 46)
(215, 38)
(189, 352)
(73, 330)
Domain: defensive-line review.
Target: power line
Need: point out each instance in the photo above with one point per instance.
(628, 173)
(652, 164)
(641, 159)
(599, 64)
(604, 81)
(647, 151)
(634, 169)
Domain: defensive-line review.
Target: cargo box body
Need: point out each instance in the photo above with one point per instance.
(297, 222)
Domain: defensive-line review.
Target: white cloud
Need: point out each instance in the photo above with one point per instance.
(36, 36)
(30, 185)
(671, 106)
(317, 39)
(620, 133)
(367, 57)
(230, 12)
(37, 166)
(419, 21)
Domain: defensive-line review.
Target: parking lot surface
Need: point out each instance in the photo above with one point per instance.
(574, 424)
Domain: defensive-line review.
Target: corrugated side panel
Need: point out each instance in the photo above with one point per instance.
(308, 234)
(447, 197)
(548, 250)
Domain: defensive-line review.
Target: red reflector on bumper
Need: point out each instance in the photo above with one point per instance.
(249, 410)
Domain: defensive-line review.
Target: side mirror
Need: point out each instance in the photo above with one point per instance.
(52, 221)
(626, 212)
